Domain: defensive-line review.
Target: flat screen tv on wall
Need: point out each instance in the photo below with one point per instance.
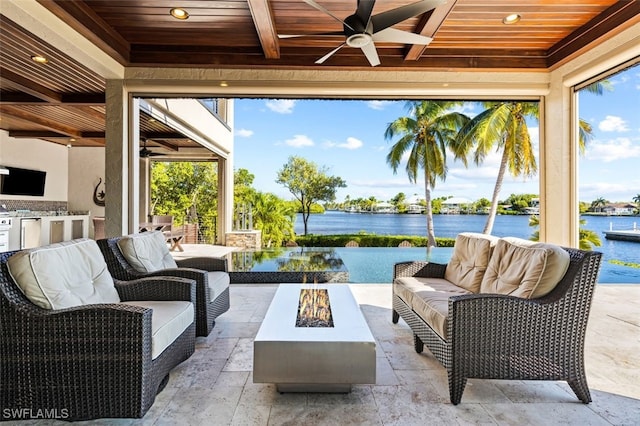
(23, 182)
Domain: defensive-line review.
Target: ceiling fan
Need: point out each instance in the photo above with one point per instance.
(362, 29)
(145, 152)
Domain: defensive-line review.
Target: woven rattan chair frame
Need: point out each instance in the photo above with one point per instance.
(494, 336)
(90, 361)
(194, 268)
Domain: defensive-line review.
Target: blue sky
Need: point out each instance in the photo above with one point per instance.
(348, 138)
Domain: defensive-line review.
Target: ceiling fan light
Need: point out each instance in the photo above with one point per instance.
(179, 13)
(511, 19)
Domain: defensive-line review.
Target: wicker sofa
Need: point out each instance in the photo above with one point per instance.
(81, 345)
(146, 254)
(534, 330)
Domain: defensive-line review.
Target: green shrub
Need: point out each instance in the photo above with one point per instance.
(367, 240)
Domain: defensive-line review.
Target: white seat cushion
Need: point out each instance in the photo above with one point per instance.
(218, 282)
(469, 261)
(524, 268)
(429, 298)
(168, 321)
(63, 275)
(147, 251)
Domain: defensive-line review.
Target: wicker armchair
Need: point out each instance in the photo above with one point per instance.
(195, 268)
(493, 336)
(90, 361)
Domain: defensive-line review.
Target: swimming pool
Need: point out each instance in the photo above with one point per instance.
(375, 264)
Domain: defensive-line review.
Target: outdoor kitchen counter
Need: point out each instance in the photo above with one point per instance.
(53, 227)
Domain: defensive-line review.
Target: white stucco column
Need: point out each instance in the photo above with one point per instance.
(121, 160)
(558, 178)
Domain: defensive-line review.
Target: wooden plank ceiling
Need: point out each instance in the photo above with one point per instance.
(63, 101)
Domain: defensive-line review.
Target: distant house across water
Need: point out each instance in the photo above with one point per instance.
(619, 209)
(456, 205)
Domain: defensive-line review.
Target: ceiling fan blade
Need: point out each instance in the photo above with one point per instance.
(315, 5)
(391, 17)
(392, 35)
(365, 7)
(328, 55)
(370, 52)
(332, 33)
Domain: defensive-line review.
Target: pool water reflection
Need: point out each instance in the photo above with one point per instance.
(299, 264)
(367, 264)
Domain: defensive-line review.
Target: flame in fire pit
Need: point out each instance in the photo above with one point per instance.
(314, 309)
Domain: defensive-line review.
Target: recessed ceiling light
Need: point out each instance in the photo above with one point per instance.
(511, 19)
(72, 139)
(39, 59)
(152, 120)
(179, 13)
(223, 84)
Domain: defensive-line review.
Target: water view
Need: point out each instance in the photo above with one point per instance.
(375, 264)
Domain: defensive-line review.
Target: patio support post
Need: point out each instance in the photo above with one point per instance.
(558, 187)
(121, 160)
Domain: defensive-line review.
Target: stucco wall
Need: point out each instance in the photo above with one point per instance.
(86, 168)
(37, 155)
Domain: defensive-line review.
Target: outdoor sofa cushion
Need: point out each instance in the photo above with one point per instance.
(218, 282)
(63, 275)
(74, 273)
(524, 268)
(147, 251)
(168, 321)
(429, 298)
(470, 258)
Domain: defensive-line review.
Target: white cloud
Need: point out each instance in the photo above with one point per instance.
(610, 191)
(388, 183)
(613, 124)
(299, 141)
(475, 173)
(244, 133)
(615, 149)
(351, 143)
(467, 108)
(378, 105)
(281, 106)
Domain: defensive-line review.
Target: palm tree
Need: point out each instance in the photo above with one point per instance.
(274, 217)
(585, 130)
(425, 134)
(502, 124)
(598, 204)
(588, 239)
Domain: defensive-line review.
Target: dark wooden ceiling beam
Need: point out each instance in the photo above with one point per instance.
(75, 99)
(265, 26)
(428, 27)
(47, 134)
(30, 87)
(613, 17)
(34, 119)
(82, 18)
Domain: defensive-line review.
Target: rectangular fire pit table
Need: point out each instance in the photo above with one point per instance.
(314, 359)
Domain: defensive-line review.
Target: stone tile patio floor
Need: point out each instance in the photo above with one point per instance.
(215, 386)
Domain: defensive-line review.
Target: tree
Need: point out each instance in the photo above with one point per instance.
(636, 200)
(588, 238)
(308, 183)
(184, 190)
(598, 204)
(274, 217)
(585, 130)
(502, 124)
(425, 134)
